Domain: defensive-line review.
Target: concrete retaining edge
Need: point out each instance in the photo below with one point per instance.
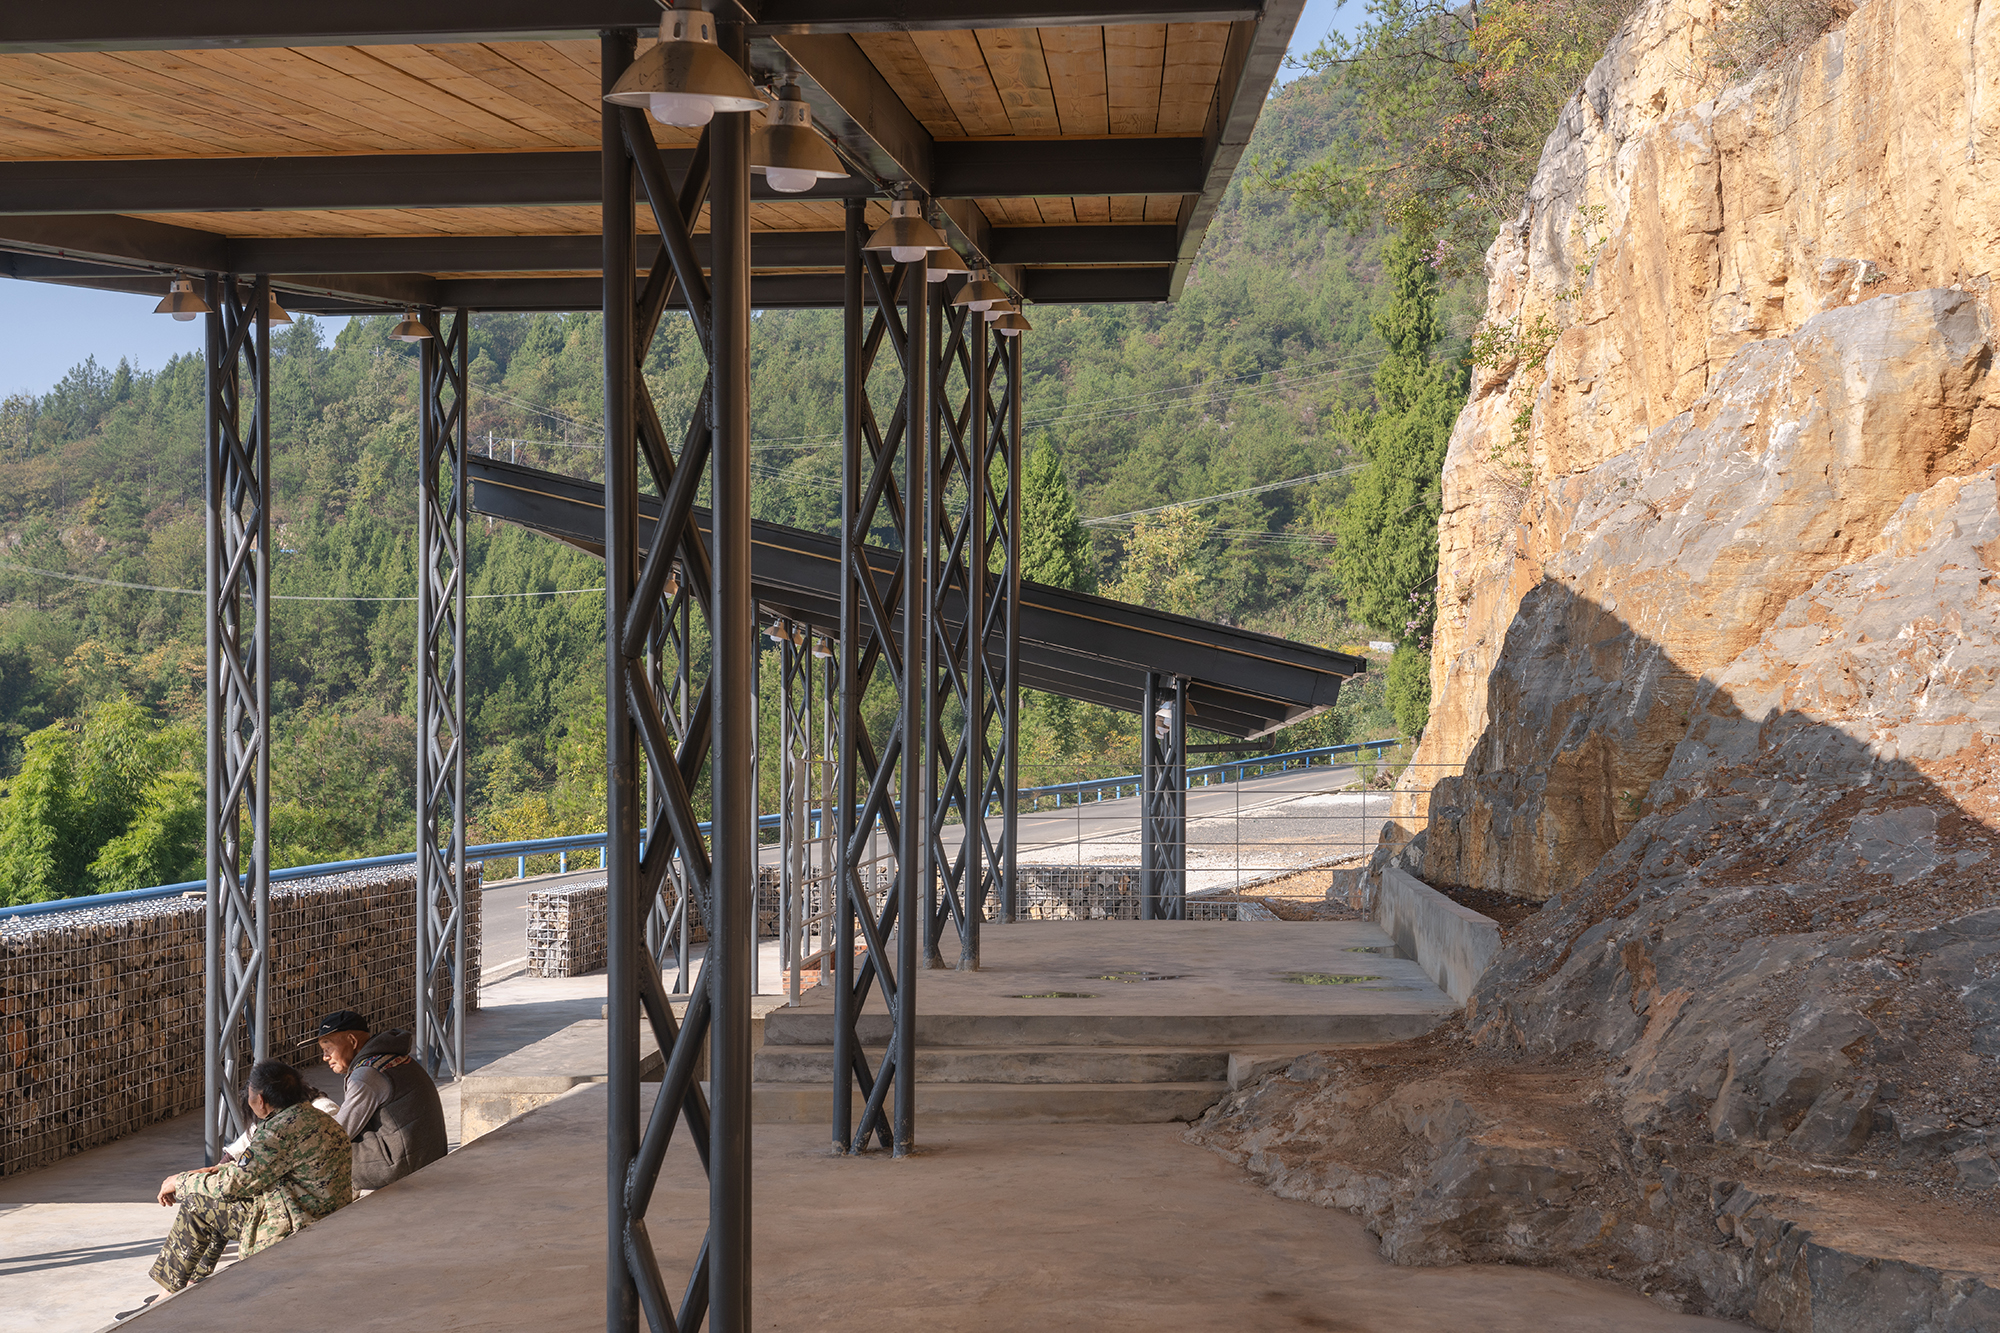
(1453, 944)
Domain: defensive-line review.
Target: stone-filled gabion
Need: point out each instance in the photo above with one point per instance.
(100, 1008)
(1092, 893)
(566, 924)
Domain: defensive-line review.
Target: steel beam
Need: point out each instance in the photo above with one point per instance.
(985, 170)
(236, 1018)
(1250, 61)
(139, 25)
(441, 495)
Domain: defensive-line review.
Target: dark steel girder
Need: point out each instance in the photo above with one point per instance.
(1081, 646)
(145, 25)
(553, 180)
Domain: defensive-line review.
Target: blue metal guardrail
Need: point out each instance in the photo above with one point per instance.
(1093, 789)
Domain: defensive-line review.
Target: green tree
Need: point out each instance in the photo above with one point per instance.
(1386, 559)
(1456, 102)
(1055, 549)
(1167, 562)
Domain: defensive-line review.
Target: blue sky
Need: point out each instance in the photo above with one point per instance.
(45, 330)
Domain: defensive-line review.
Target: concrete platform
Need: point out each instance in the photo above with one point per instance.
(1058, 983)
(1123, 1229)
(542, 1071)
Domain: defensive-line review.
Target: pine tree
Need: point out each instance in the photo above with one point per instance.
(1055, 549)
(1388, 553)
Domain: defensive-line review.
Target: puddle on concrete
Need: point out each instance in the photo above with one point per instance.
(1325, 978)
(1055, 995)
(1383, 949)
(1140, 976)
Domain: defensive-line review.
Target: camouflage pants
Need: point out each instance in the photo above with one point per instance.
(202, 1229)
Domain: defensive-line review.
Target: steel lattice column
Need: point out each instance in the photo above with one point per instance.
(1163, 799)
(639, 851)
(1000, 537)
(440, 905)
(872, 602)
(955, 665)
(237, 599)
(795, 773)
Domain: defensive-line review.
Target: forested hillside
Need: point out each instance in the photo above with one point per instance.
(1262, 373)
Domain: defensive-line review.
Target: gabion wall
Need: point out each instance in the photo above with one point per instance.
(1091, 893)
(566, 924)
(100, 1009)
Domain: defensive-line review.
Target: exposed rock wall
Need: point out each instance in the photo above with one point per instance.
(1716, 663)
(1785, 333)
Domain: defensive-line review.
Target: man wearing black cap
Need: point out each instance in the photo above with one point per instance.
(391, 1111)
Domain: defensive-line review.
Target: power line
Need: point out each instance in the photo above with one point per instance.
(279, 596)
(1109, 519)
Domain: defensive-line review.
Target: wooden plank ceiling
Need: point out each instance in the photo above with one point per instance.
(1008, 84)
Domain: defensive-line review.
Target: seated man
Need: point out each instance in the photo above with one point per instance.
(295, 1171)
(391, 1110)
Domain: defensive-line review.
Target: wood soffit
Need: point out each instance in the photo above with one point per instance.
(1116, 126)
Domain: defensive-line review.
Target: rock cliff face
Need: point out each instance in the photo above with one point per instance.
(1782, 334)
(1715, 682)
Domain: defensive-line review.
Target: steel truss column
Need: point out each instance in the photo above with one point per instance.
(1163, 803)
(440, 902)
(795, 774)
(237, 464)
(955, 666)
(642, 620)
(1000, 394)
(885, 787)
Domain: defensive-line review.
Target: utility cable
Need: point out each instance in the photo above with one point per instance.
(279, 596)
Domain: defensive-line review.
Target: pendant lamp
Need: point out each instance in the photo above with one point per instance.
(981, 292)
(275, 313)
(1012, 324)
(181, 301)
(686, 79)
(786, 148)
(906, 236)
(944, 263)
(411, 330)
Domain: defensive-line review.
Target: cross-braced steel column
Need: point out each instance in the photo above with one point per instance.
(668, 920)
(870, 785)
(1163, 799)
(237, 599)
(440, 914)
(636, 601)
(795, 775)
(1000, 537)
(955, 666)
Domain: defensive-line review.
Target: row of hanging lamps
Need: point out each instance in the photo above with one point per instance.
(183, 304)
(686, 79)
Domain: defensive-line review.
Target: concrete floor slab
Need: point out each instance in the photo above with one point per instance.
(1077, 982)
(988, 1227)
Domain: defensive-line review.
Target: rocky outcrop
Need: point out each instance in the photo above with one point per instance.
(1714, 683)
(1783, 335)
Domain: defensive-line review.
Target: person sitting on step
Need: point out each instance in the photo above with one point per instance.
(391, 1110)
(296, 1169)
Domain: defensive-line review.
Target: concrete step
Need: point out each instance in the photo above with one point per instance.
(1009, 1065)
(1226, 1031)
(989, 1103)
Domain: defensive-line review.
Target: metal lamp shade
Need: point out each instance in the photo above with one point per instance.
(686, 79)
(277, 314)
(906, 236)
(1012, 324)
(790, 153)
(181, 301)
(411, 330)
(981, 292)
(944, 263)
